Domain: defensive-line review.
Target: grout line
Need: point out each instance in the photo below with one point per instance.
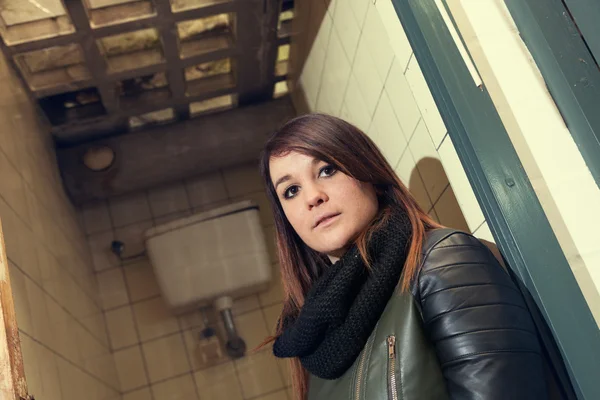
(49, 250)
(442, 142)
(21, 332)
(138, 336)
(479, 226)
(412, 54)
(439, 197)
(66, 310)
(332, 28)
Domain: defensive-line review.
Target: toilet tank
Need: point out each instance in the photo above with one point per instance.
(221, 252)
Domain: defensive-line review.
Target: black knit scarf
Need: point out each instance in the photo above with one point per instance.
(345, 303)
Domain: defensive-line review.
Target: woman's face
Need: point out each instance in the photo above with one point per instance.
(326, 208)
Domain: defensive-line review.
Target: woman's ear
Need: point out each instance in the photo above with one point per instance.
(380, 190)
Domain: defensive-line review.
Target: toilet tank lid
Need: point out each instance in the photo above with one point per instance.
(234, 208)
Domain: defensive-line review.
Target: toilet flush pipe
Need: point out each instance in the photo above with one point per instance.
(236, 347)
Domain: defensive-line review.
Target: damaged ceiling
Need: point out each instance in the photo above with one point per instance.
(101, 70)
(102, 67)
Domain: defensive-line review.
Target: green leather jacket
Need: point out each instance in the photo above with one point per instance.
(396, 363)
(463, 332)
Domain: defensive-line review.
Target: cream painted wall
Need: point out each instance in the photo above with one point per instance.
(566, 189)
(61, 323)
(344, 64)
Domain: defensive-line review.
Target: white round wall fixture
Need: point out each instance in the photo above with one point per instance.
(99, 158)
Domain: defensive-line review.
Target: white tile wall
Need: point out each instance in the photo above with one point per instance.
(348, 30)
(157, 351)
(376, 84)
(390, 137)
(335, 75)
(59, 312)
(460, 184)
(425, 101)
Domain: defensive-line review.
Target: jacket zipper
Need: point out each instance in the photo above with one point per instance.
(391, 378)
(361, 365)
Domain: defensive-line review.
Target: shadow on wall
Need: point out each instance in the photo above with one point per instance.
(429, 184)
(445, 208)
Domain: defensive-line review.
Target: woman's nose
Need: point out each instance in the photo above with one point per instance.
(315, 197)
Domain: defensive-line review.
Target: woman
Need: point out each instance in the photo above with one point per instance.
(380, 301)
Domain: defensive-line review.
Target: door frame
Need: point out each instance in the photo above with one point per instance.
(504, 192)
(12, 370)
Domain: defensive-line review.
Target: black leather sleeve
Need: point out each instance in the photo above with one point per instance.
(478, 321)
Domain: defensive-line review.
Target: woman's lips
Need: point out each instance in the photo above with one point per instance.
(328, 220)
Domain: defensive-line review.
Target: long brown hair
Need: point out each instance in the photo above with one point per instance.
(352, 152)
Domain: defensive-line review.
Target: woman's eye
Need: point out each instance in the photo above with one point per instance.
(327, 170)
(290, 192)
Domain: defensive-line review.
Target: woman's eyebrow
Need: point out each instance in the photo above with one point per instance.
(281, 180)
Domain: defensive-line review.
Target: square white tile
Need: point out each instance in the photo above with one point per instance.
(355, 109)
(460, 184)
(253, 328)
(484, 232)
(102, 256)
(390, 20)
(279, 395)
(113, 291)
(181, 388)
(271, 314)
(274, 294)
(141, 281)
(347, 29)
(121, 327)
(359, 7)
(166, 357)
(129, 209)
(133, 238)
(154, 319)
(218, 382)
(335, 74)
(449, 211)
(376, 38)
(422, 94)
(259, 374)
(168, 199)
(96, 217)
(390, 138)
(206, 189)
(140, 394)
(410, 176)
(310, 77)
(364, 71)
(403, 102)
(130, 368)
(428, 162)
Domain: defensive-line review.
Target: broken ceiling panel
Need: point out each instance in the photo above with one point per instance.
(206, 34)
(27, 20)
(209, 77)
(147, 89)
(109, 12)
(152, 118)
(283, 57)
(185, 5)
(94, 64)
(73, 107)
(131, 50)
(215, 104)
(54, 66)
(281, 89)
